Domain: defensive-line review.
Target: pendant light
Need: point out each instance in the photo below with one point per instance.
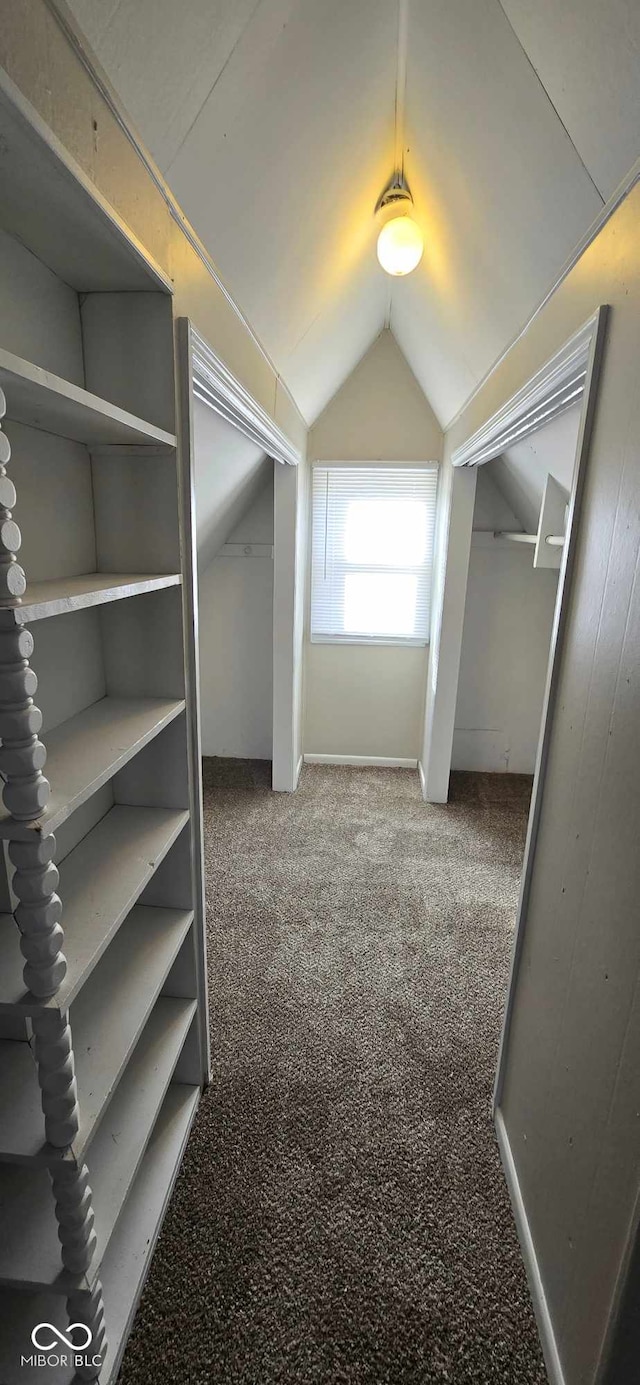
(400, 242)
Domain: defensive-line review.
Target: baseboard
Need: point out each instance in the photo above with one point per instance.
(382, 761)
(543, 1317)
(423, 782)
(298, 772)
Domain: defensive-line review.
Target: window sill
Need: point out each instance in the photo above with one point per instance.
(387, 640)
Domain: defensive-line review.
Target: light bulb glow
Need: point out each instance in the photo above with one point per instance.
(400, 245)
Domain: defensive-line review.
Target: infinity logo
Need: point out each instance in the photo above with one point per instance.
(68, 1341)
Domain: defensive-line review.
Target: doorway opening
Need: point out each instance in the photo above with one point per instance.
(244, 512)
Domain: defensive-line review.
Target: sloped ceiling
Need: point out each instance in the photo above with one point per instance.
(273, 122)
(230, 475)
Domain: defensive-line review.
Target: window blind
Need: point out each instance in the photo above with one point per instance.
(372, 553)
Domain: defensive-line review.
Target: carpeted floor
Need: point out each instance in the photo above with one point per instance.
(341, 1215)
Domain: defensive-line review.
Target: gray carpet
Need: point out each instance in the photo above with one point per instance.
(341, 1215)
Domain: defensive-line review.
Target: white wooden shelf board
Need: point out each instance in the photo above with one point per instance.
(127, 1260)
(64, 594)
(100, 881)
(86, 751)
(106, 1021)
(46, 401)
(29, 1247)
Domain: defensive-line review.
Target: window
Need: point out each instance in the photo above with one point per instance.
(372, 553)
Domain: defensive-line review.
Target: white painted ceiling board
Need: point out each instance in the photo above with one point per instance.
(273, 123)
(280, 175)
(185, 49)
(499, 189)
(353, 318)
(587, 54)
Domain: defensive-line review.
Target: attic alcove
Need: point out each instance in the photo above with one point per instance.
(235, 529)
(511, 600)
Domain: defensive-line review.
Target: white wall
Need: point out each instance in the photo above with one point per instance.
(509, 607)
(234, 504)
(571, 1080)
(505, 651)
(369, 700)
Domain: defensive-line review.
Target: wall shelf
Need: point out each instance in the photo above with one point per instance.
(100, 881)
(64, 594)
(30, 1249)
(86, 751)
(107, 1019)
(101, 1063)
(42, 400)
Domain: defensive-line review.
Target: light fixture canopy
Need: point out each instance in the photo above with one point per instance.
(400, 242)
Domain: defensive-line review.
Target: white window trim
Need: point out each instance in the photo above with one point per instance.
(398, 641)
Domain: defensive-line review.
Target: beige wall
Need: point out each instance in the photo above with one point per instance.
(572, 1080)
(369, 700)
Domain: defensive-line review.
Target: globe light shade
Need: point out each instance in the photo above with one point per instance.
(400, 245)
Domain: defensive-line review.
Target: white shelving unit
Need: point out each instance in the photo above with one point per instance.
(103, 1023)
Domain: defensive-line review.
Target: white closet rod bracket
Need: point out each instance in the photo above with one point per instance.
(247, 550)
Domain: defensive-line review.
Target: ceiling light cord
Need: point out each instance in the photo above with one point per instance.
(401, 87)
(400, 242)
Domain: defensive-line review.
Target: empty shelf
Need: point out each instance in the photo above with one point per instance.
(86, 751)
(106, 1020)
(127, 1260)
(43, 400)
(30, 1249)
(63, 594)
(100, 881)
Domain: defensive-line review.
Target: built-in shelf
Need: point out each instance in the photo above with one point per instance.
(29, 1247)
(53, 207)
(64, 594)
(100, 881)
(86, 751)
(106, 1020)
(127, 1260)
(46, 401)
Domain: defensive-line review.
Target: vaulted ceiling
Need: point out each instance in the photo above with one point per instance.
(273, 122)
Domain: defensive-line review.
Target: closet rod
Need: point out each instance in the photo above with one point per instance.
(554, 540)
